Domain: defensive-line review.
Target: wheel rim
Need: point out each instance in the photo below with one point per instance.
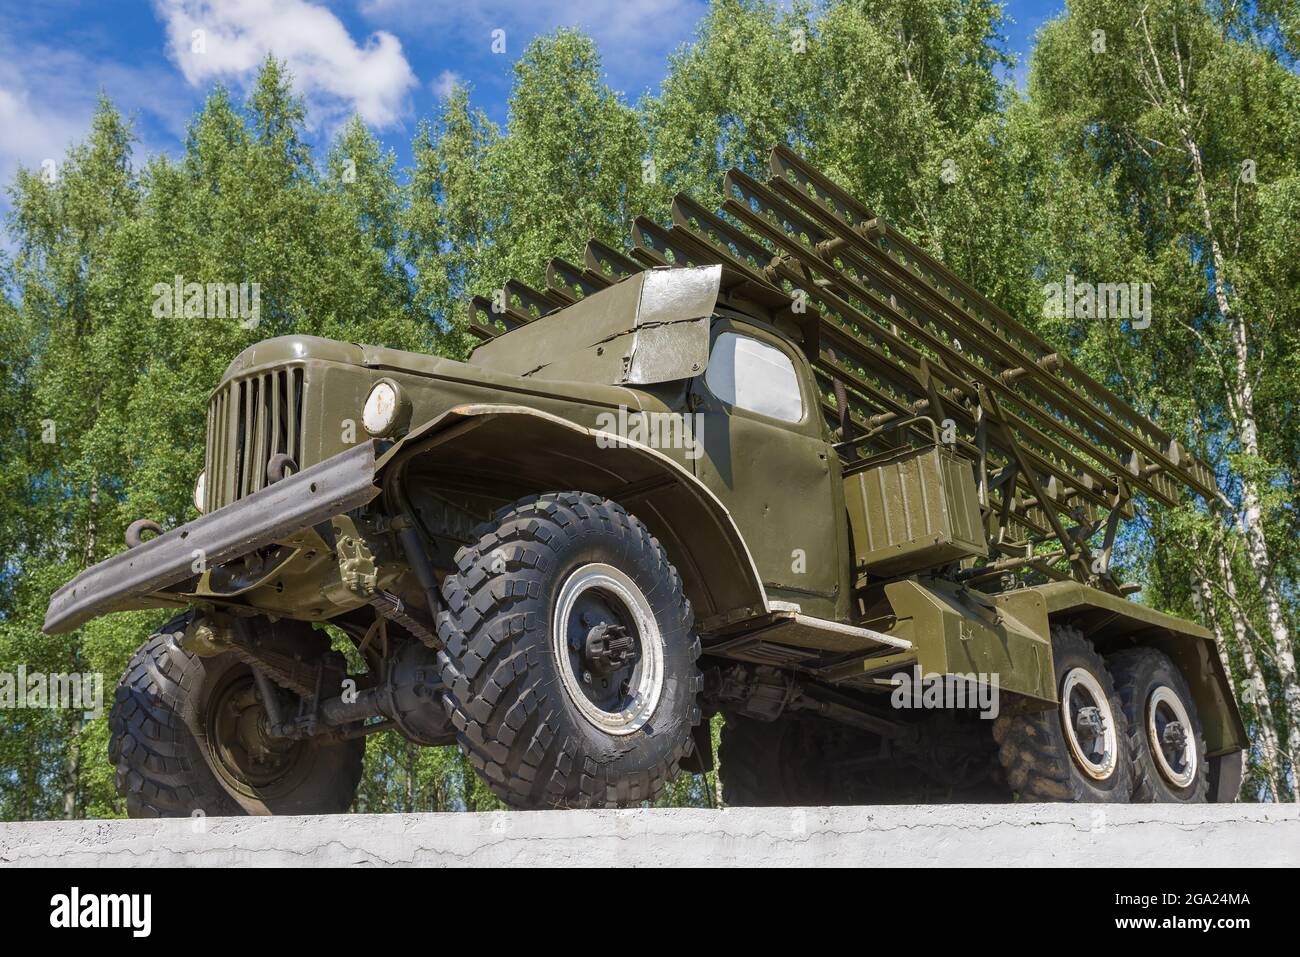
(608, 648)
(244, 755)
(1088, 724)
(1169, 733)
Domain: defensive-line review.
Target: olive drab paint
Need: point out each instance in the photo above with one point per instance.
(952, 482)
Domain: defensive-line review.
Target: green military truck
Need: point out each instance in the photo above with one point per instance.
(777, 463)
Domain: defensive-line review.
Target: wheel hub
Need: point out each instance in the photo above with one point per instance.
(1171, 743)
(608, 648)
(240, 739)
(1088, 724)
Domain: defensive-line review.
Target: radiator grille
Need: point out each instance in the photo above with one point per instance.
(249, 420)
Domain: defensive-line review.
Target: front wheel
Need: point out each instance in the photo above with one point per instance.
(187, 736)
(570, 655)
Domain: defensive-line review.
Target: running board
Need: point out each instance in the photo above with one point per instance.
(804, 631)
(787, 637)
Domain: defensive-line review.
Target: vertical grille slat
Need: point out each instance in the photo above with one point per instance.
(245, 436)
(229, 422)
(266, 447)
(250, 420)
(216, 441)
(216, 452)
(277, 394)
(260, 430)
(295, 416)
(209, 456)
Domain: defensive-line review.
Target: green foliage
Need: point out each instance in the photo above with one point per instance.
(448, 227)
(1177, 135)
(488, 206)
(107, 399)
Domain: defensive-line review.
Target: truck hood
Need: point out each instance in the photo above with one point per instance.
(314, 350)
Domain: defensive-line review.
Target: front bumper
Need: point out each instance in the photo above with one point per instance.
(329, 488)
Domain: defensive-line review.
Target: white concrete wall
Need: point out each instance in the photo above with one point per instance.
(1005, 835)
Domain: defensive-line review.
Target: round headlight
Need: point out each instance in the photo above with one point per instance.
(382, 408)
(200, 486)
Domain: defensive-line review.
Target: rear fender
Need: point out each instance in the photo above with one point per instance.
(1112, 623)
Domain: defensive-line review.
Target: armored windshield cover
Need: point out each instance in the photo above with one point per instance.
(652, 328)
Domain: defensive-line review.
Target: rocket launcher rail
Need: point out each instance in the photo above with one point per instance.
(896, 335)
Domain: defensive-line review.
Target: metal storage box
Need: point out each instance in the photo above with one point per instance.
(913, 508)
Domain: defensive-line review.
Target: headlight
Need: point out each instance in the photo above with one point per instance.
(200, 486)
(384, 408)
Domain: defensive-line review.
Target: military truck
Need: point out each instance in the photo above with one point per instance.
(777, 463)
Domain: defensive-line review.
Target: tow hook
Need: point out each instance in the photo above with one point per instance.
(280, 466)
(138, 527)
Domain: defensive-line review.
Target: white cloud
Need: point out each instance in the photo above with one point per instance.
(227, 41)
(444, 83)
(47, 99)
(34, 132)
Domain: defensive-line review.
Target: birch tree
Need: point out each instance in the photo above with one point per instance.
(1195, 129)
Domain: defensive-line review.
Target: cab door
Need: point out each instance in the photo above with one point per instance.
(764, 452)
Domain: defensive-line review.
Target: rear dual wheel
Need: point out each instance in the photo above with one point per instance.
(1078, 751)
(1166, 739)
(1125, 729)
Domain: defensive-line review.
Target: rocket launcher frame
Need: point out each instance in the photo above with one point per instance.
(898, 339)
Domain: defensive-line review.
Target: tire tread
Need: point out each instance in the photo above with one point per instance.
(508, 726)
(1031, 746)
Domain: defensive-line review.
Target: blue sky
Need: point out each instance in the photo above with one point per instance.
(389, 60)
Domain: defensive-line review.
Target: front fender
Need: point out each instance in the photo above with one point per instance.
(518, 450)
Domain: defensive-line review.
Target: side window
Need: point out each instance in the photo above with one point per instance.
(753, 375)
